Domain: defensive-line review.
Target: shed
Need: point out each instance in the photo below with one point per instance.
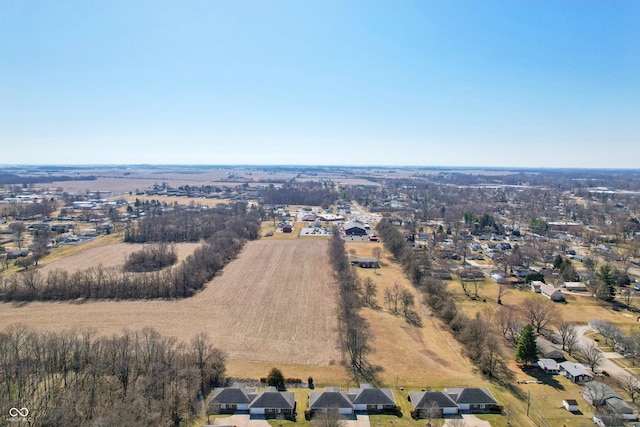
(570, 405)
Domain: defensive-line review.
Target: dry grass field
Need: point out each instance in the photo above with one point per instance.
(276, 302)
(415, 356)
(110, 255)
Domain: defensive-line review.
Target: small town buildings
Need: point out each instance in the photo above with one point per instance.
(575, 372)
(550, 366)
(551, 292)
(425, 401)
(472, 399)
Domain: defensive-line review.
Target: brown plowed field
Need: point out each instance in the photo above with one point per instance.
(275, 303)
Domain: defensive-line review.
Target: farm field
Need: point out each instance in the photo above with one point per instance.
(106, 255)
(276, 302)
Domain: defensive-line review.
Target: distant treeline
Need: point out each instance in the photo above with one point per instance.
(300, 196)
(28, 210)
(11, 178)
(228, 235)
(192, 224)
(74, 378)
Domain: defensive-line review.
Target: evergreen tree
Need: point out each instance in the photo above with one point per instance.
(607, 279)
(526, 349)
(276, 379)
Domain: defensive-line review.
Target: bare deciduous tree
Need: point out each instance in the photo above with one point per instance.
(592, 355)
(568, 336)
(539, 311)
(631, 385)
(509, 322)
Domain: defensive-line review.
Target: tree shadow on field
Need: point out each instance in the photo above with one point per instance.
(546, 379)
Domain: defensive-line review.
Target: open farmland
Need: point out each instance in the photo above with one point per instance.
(107, 255)
(275, 303)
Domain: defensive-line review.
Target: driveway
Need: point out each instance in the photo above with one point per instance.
(470, 420)
(358, 421)
(241, 421)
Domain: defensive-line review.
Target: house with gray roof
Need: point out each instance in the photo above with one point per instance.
(550, 366)
(368, 398)
(548, 350)
(575, 372)
(551, 292)
(331, 399)
(425, 401)
(231, 399)
(472, 399)
(272, 403)
(601, 395)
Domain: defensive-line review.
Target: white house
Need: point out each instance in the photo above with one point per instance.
(550, 366)
(535, 286)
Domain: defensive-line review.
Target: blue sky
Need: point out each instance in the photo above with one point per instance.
(428, 83)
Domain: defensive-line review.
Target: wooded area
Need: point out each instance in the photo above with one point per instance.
(73, 377)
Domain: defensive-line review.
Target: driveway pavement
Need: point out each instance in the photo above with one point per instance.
(470, 420)
(241, 421)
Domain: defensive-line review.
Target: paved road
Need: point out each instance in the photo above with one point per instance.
(606, 364)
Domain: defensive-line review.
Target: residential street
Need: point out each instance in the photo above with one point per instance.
(606, 364)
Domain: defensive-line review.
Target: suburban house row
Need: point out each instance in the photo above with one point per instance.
(366, 399)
